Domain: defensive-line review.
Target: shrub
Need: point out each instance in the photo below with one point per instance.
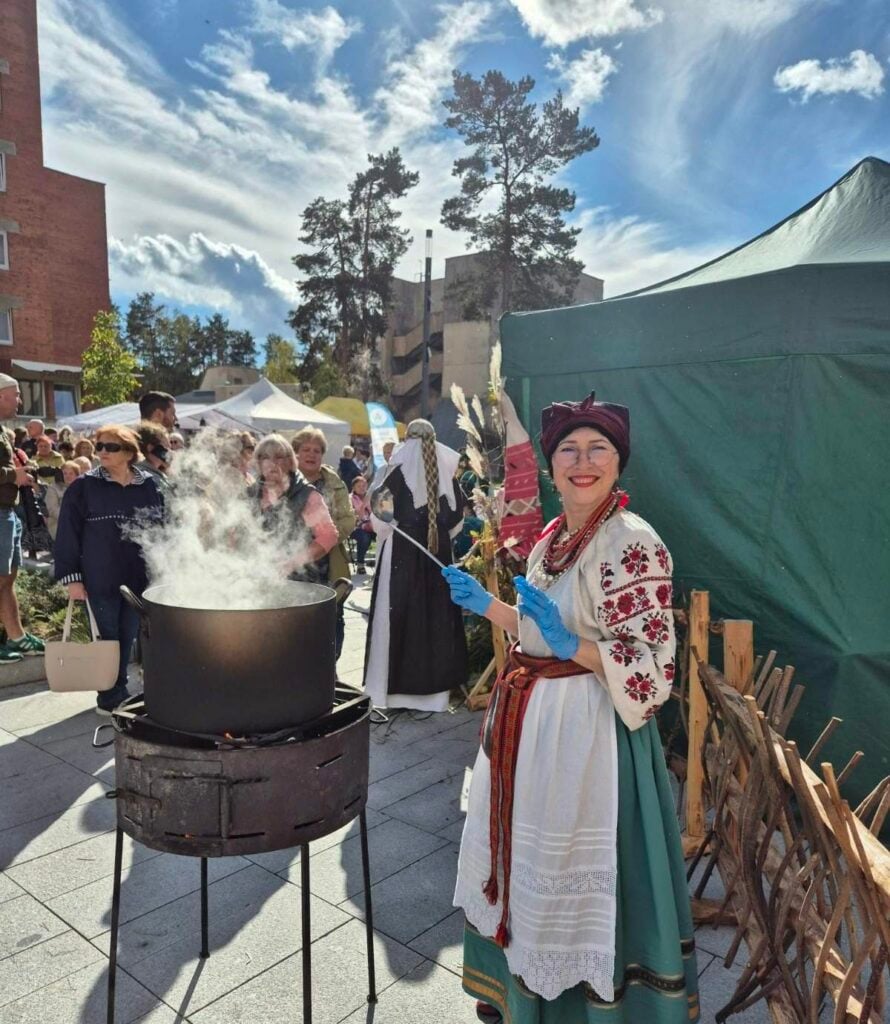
(43, 605)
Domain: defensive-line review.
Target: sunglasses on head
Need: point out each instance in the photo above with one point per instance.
(109, 446)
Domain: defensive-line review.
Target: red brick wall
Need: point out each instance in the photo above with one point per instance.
(59, 260)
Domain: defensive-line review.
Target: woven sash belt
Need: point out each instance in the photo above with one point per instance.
(500, 741)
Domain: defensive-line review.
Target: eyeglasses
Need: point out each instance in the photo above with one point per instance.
(274, 458)
(598, 454)
(248, 448)
(108, 446)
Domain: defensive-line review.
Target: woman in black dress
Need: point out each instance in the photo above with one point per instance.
(416, 650)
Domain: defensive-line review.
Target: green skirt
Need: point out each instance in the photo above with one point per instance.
(656, 980)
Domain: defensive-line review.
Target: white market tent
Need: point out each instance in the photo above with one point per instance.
(126, 413)
(266, 408)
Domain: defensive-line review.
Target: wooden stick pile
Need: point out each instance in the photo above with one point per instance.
(807, 880)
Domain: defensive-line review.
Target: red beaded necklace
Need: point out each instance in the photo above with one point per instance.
(562, 552)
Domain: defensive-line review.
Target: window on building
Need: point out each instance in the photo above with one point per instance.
(5, 326)
(4, 251)
(32, 397)
(2, 172)
(65, 396)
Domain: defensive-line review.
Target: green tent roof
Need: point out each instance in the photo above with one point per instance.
(848, 223)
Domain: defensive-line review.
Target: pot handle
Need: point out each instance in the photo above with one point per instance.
(342, 588)
(134, 601)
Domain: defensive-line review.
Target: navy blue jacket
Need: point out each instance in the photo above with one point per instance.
(89, 545)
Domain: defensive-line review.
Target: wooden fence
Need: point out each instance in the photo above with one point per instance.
(807, 880)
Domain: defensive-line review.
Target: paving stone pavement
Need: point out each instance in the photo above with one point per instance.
(56, 859)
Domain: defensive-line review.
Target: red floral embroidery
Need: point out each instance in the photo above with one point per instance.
(664, 594)
(606, 575)
(651, 712)
(668, 671)
(664, 559)
(635, 560)
(626, 606)
(624, 654)
(656, 628)
(639, 687)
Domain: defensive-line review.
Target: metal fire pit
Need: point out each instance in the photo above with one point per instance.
(205, 795)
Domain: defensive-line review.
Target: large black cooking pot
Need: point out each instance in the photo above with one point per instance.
(238, 672)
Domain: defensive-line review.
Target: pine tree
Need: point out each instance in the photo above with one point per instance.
(241, 349)
(353, 247)
(108, 368)
(526, 245)
(142, 337)
(216, 339)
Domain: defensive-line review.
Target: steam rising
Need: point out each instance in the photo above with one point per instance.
(212, 551)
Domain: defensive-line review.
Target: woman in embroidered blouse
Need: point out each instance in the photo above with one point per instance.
(571, 871)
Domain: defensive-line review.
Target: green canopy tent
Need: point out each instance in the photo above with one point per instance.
(758, 387)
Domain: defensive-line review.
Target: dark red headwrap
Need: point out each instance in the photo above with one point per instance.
(561, 418)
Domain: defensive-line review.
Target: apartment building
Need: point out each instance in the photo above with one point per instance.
(460, 350)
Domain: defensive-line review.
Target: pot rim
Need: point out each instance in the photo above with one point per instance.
(323, 593)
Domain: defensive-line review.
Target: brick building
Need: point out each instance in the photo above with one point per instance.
(53, 244)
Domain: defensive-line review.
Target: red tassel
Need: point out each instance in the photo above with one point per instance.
(500, 936)
(490, 891)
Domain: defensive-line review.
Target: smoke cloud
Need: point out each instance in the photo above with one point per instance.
(211, 550)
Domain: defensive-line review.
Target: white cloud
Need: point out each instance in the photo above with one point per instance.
(860, 73)
(704, 72)
(561, 22)
(205, 272)
(746, 17)
(323, 31)
(585, 77)
(630, 253)
(417, 80)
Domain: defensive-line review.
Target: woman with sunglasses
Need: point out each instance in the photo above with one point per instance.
(93, 556)
(571, 870)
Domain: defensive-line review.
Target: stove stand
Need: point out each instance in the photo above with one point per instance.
(163, 778)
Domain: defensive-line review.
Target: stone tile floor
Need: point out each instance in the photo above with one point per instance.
(56, 856)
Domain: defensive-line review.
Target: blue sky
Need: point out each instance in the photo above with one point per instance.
(214, 123)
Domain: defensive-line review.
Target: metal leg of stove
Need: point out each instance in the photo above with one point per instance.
(307, 934)
(115, 921)
(369, 915)
(205, 946)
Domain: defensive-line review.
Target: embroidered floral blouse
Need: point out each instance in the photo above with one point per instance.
(618, 594)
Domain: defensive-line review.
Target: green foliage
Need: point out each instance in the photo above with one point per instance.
(281, 360)
(326, 381)
(108, 368)
(353, 246)
(43, 605)
(173, 350)
(505, 204)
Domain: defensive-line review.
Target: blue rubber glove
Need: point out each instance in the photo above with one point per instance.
(467, 591)
(545, 614)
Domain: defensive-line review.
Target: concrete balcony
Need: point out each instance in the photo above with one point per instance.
(405, 344)
(402, 383)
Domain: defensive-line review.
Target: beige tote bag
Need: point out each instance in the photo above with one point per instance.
(73, 666)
